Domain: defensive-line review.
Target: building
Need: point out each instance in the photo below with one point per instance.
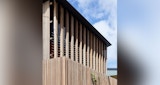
(74, 52)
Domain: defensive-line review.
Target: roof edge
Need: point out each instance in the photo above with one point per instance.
(76, 14)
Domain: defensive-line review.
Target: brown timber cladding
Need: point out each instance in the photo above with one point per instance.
(71, 50)
(69, 37)
(64, 71)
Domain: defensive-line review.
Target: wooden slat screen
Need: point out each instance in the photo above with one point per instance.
(64, 71)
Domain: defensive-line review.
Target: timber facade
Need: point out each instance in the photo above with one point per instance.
(72, 48)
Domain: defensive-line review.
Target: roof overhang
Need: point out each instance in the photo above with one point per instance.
(76, 14)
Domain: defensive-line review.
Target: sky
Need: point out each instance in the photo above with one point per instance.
(102, 14)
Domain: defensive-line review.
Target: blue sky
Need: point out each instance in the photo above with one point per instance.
(102, 14)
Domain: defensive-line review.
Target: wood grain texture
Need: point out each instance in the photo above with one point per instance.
(64, 71)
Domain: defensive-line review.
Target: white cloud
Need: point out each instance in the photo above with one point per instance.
(111, 35)
(84, 3)
(103, 15)
(102, 27)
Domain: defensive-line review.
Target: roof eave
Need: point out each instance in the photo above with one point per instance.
(76, 14)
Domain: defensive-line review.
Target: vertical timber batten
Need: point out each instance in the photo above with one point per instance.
(72, 38)
(88, 48)
(46, 30)
(80, 47)
(55, 29)
(76, 44)
(84, 46)
(94, 52)
(46, 40)
(67, 34)
(102, 59)
(91, 60)
(62, 32)
(99, 56)
(105, 58)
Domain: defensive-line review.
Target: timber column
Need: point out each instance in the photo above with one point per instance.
(72, 38)
(62, 32)
(99, 64)
(102, 57)
(76, 43)
(105, 59)
(88, 60)
(80, 47)
(91, 50)
(84, 46)
(55, 29)
(46, 41)
(46, 30)
(94, 52)
(67, 34)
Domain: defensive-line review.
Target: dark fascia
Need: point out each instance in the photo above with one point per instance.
(77, 15)
(111, 68)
